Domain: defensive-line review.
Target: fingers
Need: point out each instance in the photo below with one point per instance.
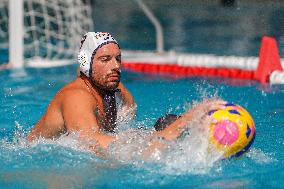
(205, 122)
(216, 105)
(206, 108)
(217, 101)
(212, 105)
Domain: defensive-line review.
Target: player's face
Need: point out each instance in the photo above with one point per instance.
(106, 66)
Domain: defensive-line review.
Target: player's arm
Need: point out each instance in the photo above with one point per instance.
(78, 110)
(49, 125)
(174, 130)
(199, 111)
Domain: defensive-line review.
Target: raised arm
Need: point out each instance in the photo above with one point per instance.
(199, 112)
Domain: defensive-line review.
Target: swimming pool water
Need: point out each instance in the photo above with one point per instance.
(25, 94)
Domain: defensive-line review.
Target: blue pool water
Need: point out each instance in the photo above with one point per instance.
(25, 94)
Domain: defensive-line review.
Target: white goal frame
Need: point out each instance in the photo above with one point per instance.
(16, 32)
(44, 33)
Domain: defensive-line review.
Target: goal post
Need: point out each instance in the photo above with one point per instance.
(43, 33)
(16, 33)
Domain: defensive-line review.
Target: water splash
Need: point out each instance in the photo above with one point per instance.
(191, 153)
(260, 157)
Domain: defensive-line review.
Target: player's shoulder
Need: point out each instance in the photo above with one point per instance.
(73, 91)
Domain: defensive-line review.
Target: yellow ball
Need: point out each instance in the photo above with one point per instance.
(234, 131)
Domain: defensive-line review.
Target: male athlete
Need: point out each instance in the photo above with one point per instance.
(88, 106)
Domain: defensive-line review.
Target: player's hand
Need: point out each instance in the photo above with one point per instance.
(202, 110)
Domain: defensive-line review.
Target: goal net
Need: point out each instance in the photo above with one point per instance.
(52, 30)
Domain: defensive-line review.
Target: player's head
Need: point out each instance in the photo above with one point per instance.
(100, 59)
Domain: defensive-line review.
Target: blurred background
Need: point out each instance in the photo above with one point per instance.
(222, 27)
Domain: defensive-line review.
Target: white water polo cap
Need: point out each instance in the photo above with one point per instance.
(90, 43)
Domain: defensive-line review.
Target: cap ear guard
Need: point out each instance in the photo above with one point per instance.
(84, 63)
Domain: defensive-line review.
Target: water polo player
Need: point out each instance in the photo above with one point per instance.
(87, 105)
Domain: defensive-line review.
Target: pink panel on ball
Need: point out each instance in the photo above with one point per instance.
(226, 132)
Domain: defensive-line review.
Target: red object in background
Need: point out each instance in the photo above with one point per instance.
(269, 60)
(188, 71)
